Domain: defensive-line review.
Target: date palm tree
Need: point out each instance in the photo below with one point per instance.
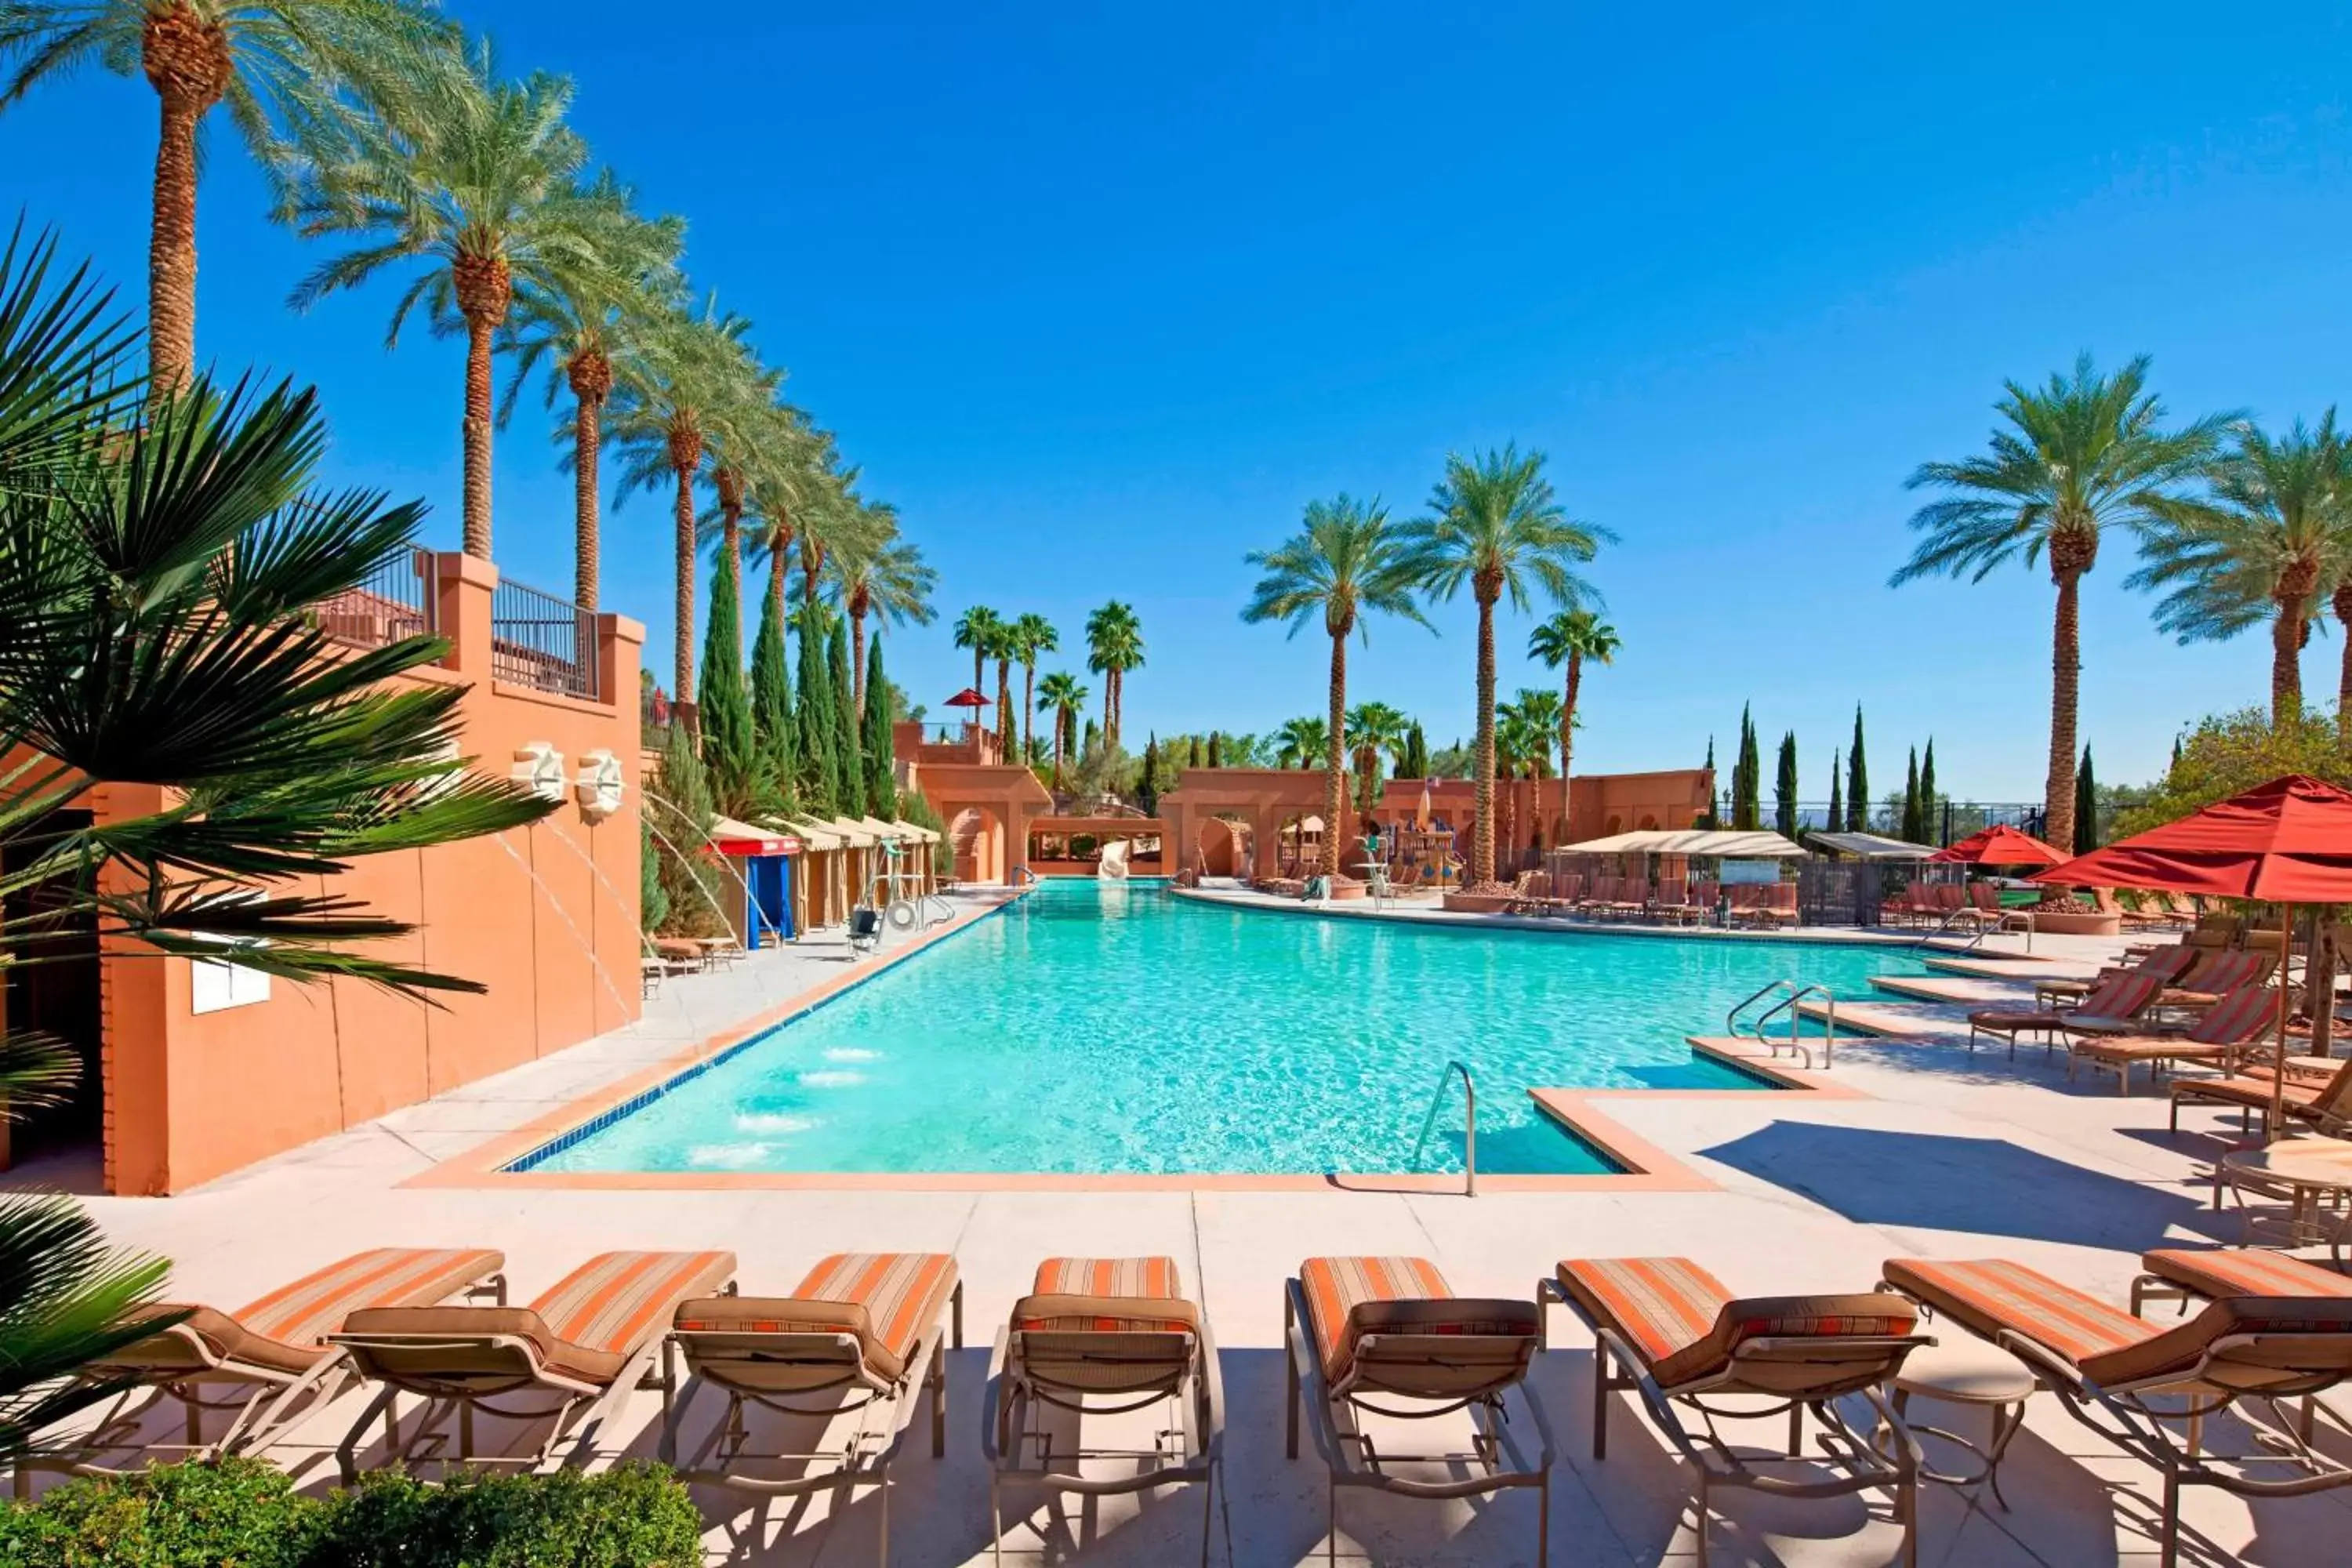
(1034, 635)
(1114, 647)
(879, 574)
(1346, 563)
(737, 422)
(481, 186)
(1376, 732)
(2272, 530)
(662, 390)
(1064, 697)
(791, 470)
(1302, 742)
(2076, 456)
(282, 67)
(135, 645)
(977, 630)
(1564, 640)
(1495, 526)
(566, 326)
(1524, 729)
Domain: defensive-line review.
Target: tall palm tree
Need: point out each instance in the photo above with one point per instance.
(1523, 736)
(792, 469)
(2079, 455)
(664, 389)
(1494, 525)
(1004, 647)
(2274, 529)
(738, 422)
(1565, 640)
(483, 187)
(1034, 635)
(1345, 565)
(976, 629)
(1303, 742)
(1114, 647)
(1375, 732)
(1065, 695)
(282, 67)
(877, 574)
(567, 325)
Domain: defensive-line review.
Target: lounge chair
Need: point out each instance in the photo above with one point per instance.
(2220, 975)
(2326, 1104)
(2218, 1035)
(2126, 1378)
(2126, 997)
(2217, 1274)
(582, 1345)
(1674, 903)
(2168, 964)
(1666, 1329)
(854, 1346)
(1098, 1338)
(274, 1348)
(1387, 1336)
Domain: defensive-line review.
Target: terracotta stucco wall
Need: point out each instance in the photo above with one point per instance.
(191, 1096)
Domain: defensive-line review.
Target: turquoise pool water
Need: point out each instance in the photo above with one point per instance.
(1092, 1028)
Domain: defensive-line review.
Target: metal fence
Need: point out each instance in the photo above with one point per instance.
(1948, 822)
(543, 642)
(394, 601)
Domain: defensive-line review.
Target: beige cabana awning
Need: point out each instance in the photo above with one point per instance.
(733, 838)
(917, 831)
(886, 831)
(856, 834)
(1727, 844)
(818, 836)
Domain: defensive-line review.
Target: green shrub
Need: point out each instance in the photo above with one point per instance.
(242, 1513)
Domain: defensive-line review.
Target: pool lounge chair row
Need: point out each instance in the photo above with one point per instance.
(1671, 900)
(862, 1338)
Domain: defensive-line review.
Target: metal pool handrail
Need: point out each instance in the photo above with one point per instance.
(1788, 1004)
(1470, 1123)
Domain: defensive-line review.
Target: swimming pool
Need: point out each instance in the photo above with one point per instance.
(1094, 1028)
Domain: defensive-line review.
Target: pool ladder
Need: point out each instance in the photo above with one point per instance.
(1791, 994)
(1469, 1125)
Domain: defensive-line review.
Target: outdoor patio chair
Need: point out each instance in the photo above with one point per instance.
(2220, 973)
(582, 1346)
(2166, 963)
(1387, 1337)
(2132, 1380)
(1674, 903)
(2326, 1104)
(1098, 1339)
(2218, 1035)
(1667, 1330)
(2125, 996)
(852, 1347)
(2217, 1274)
(275, 1350)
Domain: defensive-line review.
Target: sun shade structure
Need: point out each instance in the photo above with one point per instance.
(729, 836)
(1870, 847)
(967, 698)
(2285, 842)
(1727, 843)
(2002, 845)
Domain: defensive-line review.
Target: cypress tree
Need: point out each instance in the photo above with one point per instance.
(1837, 792)
(1747, 778)
(1216, 760)
(1147, 784)
(1784, 787)
(881, 775)
(1857, 781)
(2086, 807)
(1913, 829)
(772, 702)
(1416, 754)
(816, 726)
(728, 755)
(1931, 815)
(849, 770)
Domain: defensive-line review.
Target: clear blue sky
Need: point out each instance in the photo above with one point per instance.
(1101, 295)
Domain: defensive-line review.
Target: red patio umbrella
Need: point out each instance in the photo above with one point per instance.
(2002, 845)
(2286, 842)
(967, 698)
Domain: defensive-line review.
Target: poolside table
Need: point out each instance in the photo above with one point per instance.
(2316, 1173)
(1961, 1369)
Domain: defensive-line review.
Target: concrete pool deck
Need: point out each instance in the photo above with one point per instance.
(1917, 1150)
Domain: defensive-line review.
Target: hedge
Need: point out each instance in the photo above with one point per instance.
(242, 1513)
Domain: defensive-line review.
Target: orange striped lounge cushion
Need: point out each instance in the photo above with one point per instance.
(1990, 1295)
(1658, 1305)
(2304, 1335)
(2243, 1271)
(902, 1293)
(1094, 1295)
(1350, 1298)
(286, 1330)
(610, 1304)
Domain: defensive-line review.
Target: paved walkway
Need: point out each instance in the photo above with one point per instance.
(1940, 1154)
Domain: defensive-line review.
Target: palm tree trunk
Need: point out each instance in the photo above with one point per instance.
(1567, 741)
(1481, 848)
(977, 670)
(682, 645)
(587, 449)
(776, 588)
(484, 289)
(1005, 707)
(171, 247)
(2065, 698)
(857, 669)
(2286, 666)
(2342, 601)
(1028, 708)
(1334, 757)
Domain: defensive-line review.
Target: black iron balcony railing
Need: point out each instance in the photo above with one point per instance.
(543, 642)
